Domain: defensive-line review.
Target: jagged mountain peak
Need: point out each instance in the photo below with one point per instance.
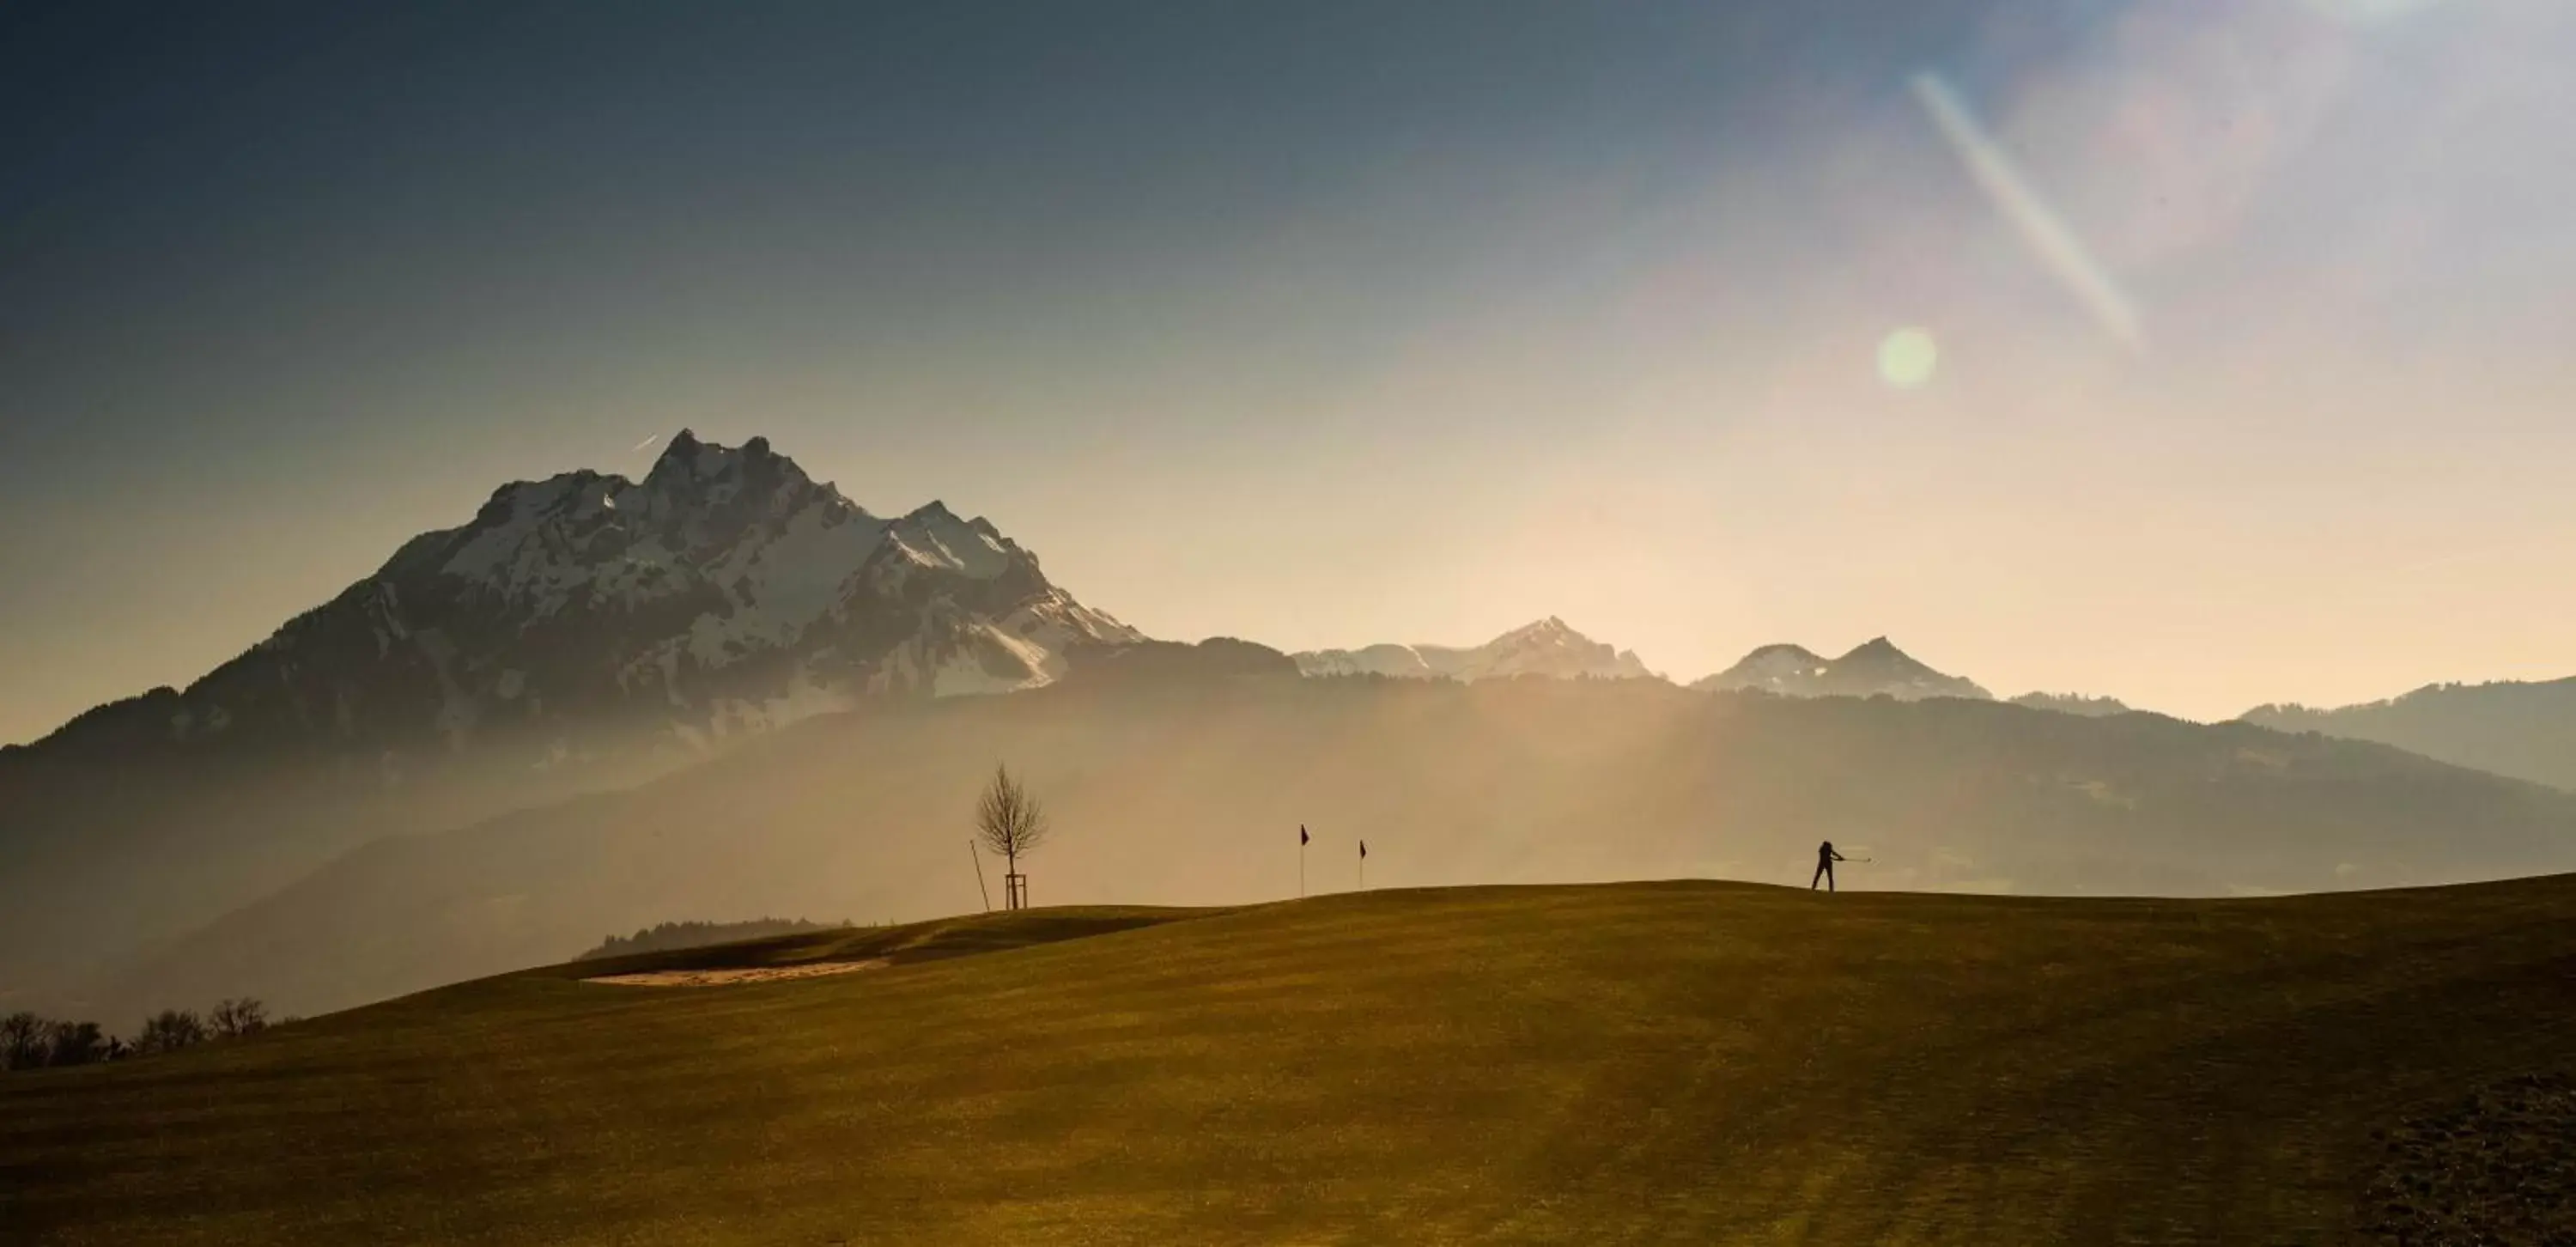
(686, 455)
(1549, 631)
(726, 590)
(934, 535)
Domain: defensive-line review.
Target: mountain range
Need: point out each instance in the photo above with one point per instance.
(726, 689)
(1551, 648)
(1545, 648)
(1873, 669)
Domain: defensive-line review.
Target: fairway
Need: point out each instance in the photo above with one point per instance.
(1654, 1062)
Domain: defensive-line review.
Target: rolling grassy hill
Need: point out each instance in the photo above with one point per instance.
(1666, 1062)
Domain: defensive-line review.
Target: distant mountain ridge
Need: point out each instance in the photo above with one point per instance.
(1871, 669)
(1546, 648)
(1196, 795)
(2524, 729)
(2074, 703)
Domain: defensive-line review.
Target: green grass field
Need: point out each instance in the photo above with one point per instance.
(1676, 1062)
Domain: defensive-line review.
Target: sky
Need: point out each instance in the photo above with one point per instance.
(2203, 353)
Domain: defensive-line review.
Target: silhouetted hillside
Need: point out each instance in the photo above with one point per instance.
(2525, 730)
(1180, 792)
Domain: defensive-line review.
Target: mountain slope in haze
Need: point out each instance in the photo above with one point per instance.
(1676, 1062)
(2074, 703)
(1872, 669)
(2523, 729)
(580, 632)
(1179, 792)
(1546, 648)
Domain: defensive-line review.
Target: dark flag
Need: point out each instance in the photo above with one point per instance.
(1364, 850)
(1301, 835)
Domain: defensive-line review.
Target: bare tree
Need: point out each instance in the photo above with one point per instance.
(169, 1031)
(1010, 822)
(24, 1041)
(233, 1019)
(76, 1043)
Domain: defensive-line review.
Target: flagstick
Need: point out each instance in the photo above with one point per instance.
(979, 876)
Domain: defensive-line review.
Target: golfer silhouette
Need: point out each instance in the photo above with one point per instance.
(1825, 859)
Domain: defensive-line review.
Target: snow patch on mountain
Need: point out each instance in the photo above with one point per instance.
(934, 537)
(1874, 668)
(795, 574)
(1386, 659)
(1546, 648)
(991, 661)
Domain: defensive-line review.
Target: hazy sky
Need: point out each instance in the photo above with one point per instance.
(1327, 324)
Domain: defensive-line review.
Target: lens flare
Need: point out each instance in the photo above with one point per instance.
(2359, 11)
(1907, 358)
(2052, 241)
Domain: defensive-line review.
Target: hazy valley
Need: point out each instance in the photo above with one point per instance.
(724, 691)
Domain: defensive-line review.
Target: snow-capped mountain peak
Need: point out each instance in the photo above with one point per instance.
(1548, 647)
(1548, 631)
(933, 535)
(746, 523)
(726, 590)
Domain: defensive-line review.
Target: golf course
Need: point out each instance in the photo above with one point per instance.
(1682, 1062)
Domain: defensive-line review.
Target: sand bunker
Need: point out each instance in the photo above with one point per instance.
(726, 978)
